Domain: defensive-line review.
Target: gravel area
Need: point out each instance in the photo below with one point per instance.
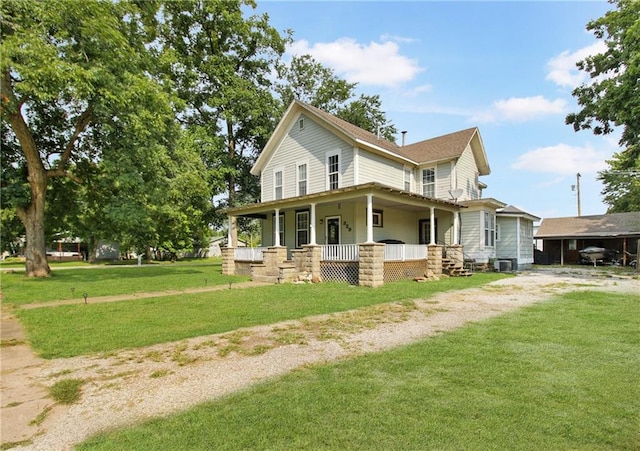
(130, 386)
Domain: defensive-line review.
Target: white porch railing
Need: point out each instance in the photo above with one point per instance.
(402, 252)
(340, 252)
(248, 254)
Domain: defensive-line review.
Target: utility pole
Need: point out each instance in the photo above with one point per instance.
(578, 191)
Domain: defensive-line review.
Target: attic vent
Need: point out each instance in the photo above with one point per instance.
(301, 123)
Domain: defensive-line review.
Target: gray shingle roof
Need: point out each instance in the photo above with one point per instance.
(435, 149)
(609, 225)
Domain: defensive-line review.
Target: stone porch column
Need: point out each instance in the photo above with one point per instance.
(371, 267)
(228, 261)
(434, 259)
(273, 256)
(313, 259)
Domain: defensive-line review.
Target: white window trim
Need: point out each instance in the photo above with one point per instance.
(435, 180)
(404, 177)
(328, 155)
(485, 227)
(275, 171)
(305, 212)
(356, 166)
(498, 232)
(298, 164)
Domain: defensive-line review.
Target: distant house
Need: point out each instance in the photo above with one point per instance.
(332, 193)
(215, 245)
(563, 238)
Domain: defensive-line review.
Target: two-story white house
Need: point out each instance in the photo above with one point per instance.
(326, 183)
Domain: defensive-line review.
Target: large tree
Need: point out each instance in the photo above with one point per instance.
(611, 98)
(219, 57)
(67, 68)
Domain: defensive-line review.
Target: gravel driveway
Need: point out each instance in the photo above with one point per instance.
(134, 385)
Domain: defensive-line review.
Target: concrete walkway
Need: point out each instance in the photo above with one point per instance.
(22, 400)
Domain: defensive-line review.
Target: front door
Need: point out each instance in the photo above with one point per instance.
(425, 231)
(333, 230)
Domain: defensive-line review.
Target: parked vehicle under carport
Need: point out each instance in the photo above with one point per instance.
(598, 255)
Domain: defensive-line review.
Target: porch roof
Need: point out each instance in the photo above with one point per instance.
(383, 196)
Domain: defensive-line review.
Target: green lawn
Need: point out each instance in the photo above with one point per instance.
(108, 281)
(562, 375)
(70, 330)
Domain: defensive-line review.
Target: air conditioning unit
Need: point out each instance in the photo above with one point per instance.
(504, 266)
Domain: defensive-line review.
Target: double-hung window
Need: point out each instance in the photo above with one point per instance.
(489, 229)
(302, 228)
(429, 182)
(407, 179)
(277, 184)
(333, 170)
(302, 179)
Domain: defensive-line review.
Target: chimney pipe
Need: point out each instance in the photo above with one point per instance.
(404, 132)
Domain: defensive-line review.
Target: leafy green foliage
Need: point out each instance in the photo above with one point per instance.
(219, 60)
(612, 99)
(306, 80)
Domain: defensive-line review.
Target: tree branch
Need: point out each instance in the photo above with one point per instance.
(81, 124)
(10, 109)
(60, 172)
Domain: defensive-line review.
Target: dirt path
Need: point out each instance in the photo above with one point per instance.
(134, 385)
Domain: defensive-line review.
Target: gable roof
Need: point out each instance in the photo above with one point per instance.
(446, 147)
(512, 211)
(596, 226)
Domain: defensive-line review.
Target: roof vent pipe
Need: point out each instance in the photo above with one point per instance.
(404, 133)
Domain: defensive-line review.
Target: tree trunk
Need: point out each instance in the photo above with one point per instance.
(231, 182)
(32, 217)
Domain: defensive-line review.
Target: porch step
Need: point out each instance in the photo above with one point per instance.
(454, 269)
(287, 272)
(265, 279)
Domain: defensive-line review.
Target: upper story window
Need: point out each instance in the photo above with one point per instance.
(302, 179)
(333, 170)
(277, 184)
(429, 182)
(407, 179)
(489, 229)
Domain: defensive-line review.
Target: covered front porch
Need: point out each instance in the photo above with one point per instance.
(322, 236)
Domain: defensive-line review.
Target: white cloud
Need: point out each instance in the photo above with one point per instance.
(563, 159)
(416, 91)
(520, 109)
(562, 68)
(552, 182)
(395, 38)
(376, 63)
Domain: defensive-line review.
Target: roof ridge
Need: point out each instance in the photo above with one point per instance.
(349, 128)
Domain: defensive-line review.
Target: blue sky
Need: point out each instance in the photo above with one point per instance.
(505, 67)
